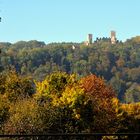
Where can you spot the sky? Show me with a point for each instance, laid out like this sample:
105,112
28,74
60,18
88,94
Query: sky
68,20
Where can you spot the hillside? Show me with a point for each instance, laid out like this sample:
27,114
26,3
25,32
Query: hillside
119,64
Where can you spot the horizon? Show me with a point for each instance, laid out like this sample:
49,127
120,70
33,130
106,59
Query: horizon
60,21
84,41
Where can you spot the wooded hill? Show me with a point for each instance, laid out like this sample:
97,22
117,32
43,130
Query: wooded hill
119,64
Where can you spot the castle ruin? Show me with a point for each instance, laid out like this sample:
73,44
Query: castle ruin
113,37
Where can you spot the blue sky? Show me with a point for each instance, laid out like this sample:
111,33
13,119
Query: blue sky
68,20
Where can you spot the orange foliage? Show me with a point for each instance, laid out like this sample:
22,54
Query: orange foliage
101,96
96,88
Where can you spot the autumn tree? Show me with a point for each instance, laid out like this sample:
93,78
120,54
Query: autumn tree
13,86
63,91
53,85
130,119
89,101
101,97
28,117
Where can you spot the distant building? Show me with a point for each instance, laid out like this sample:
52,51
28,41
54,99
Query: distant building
73,47
113,37
89,39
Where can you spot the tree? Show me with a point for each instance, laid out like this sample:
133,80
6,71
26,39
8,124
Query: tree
14,86
28,117
131,119
89,101
101,97
63,91
132,94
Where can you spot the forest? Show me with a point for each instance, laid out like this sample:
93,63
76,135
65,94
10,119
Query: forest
70,87
64,103
118,64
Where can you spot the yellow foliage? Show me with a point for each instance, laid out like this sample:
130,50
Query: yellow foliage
73,98
136,39
41,86
115,104
53,86
28,117
70,95
132,109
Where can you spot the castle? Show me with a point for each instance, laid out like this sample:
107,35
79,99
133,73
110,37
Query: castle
113,38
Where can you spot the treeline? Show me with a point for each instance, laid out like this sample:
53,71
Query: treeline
119,64
63,103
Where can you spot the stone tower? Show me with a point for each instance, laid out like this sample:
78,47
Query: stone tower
113,37
89,39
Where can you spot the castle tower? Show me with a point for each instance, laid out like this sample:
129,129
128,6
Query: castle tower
113,37
89,39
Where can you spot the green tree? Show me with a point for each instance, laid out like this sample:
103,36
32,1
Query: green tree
132,94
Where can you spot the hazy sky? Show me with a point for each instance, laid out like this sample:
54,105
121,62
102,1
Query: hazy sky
68,20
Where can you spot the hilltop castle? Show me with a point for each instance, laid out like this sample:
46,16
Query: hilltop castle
113,38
